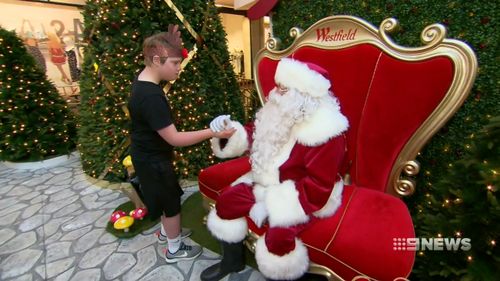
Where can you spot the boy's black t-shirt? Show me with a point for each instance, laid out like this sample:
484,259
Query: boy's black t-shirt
149,111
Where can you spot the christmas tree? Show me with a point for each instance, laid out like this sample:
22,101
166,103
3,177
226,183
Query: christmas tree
474,22
465,205
206,88
35,122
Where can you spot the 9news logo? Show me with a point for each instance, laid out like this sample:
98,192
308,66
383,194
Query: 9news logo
431,244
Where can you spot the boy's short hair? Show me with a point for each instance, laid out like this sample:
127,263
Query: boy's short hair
157,44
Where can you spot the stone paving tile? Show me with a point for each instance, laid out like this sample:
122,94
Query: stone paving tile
52,269
87,241
65,276
10,219
117,264
53,228
93,274
146,259
164,272
6,234
19,263
5,188
19,242
96,256
57,250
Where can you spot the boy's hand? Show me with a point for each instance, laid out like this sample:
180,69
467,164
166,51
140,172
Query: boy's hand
220,123
225,134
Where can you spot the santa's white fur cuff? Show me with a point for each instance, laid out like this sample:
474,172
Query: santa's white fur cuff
290,266
283,205
231,231
236,145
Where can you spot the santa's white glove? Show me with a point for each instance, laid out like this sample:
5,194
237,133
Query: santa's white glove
220,123
259,213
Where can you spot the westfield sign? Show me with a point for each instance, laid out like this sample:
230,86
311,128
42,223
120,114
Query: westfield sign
327,34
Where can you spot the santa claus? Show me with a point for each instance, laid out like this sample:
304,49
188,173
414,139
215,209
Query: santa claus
297,146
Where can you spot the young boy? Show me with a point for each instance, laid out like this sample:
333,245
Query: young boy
154,135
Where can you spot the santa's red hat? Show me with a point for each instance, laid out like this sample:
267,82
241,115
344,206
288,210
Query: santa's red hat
306,77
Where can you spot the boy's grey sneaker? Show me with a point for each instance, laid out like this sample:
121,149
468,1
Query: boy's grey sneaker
162,239
185,252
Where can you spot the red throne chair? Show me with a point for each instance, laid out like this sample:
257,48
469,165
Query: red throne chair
395,99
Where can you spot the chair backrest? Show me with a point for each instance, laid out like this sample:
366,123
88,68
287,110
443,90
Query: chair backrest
395,97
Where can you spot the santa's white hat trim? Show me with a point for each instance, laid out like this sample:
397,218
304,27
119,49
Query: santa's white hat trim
333,203
236,145
283,205
295,74
231,231
290,266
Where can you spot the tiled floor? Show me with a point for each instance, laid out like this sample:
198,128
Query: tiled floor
52,227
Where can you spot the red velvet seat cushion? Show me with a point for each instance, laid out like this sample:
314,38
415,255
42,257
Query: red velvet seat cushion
357,240
214,178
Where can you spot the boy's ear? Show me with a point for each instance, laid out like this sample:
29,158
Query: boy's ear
160,60
155,59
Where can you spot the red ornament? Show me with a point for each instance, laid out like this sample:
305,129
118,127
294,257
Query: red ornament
116,215
478,96
139,213
485,20
185,53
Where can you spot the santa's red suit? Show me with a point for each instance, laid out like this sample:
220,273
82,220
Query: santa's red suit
295,158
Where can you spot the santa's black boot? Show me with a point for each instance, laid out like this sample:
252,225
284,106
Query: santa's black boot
232,261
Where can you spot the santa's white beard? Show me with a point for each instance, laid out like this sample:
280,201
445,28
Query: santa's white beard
274,123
